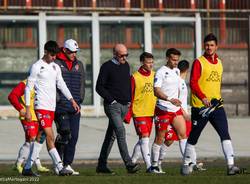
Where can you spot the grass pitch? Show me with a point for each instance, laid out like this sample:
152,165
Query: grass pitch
215,174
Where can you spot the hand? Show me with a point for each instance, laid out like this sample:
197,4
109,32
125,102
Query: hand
75,106
206,102
186,115
22,112
28,116
175,102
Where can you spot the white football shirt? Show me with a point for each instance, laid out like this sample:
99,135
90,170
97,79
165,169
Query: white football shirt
45,78
168,80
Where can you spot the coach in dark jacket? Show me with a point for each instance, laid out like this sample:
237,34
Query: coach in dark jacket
67,121
113,84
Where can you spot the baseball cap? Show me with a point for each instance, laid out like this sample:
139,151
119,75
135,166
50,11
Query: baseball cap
71,45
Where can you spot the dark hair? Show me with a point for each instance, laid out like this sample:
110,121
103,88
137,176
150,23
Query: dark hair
210,37
145,55
51,47
173,51
183,65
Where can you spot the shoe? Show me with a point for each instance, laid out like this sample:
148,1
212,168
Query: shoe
160,169
65,172
75,173
104,170
232,170
56,171
29,172
199,167
18,167
153,169
42,169
133,168
185,170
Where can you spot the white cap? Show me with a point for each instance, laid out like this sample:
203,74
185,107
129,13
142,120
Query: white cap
71,45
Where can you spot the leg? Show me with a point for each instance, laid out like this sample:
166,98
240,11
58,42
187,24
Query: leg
198,124
218,120
116,113
63,129
24,150
143,126
179,124
46,119
69,151
40,138
106,146
136,151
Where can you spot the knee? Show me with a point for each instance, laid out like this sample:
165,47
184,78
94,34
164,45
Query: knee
182,136
192,141
159,138
63,137
120,131
50,139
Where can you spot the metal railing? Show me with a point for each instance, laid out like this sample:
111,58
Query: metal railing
128,5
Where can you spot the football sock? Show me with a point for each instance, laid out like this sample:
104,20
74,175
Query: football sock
37,161
56,158
23,153
189,153
163,152
145,151
34,147
228,151
182,145
136,152
155,152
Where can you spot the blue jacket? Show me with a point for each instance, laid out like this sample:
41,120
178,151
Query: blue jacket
75,81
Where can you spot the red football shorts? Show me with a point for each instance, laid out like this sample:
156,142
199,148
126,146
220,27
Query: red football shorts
45,117
30,128
171,134
164,118
143,125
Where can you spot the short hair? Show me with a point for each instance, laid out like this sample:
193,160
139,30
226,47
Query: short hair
210,37
183,65
51,47
145,55
173,51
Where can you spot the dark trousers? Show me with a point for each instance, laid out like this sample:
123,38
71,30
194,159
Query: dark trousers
217,119
68,128
115,112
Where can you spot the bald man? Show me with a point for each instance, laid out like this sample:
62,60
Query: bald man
113,85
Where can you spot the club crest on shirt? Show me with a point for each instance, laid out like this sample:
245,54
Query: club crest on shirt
54,67
41,69
77,67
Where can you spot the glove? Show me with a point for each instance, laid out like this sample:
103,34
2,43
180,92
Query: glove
205,111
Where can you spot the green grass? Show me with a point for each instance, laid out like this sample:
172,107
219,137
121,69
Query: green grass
215,174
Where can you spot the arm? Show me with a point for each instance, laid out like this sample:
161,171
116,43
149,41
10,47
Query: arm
100,85
29,86
194,78
130,112
158,92
82,92
61,85
15,95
